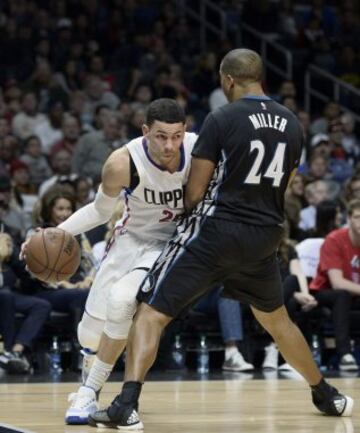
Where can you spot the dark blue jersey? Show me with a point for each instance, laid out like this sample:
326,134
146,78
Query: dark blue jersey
256,144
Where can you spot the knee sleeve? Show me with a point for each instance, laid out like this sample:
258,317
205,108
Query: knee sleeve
121,308
89,332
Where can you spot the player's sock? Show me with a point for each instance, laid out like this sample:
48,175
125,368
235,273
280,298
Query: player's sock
88,360
99,373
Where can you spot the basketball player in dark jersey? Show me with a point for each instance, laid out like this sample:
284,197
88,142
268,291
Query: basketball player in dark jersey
243,160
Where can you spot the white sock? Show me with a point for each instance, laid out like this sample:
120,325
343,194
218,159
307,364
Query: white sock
230,352
88,361
99,373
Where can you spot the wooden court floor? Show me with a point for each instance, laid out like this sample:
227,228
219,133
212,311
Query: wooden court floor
224,406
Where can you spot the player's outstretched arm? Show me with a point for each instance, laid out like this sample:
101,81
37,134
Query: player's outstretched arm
115,176
201,173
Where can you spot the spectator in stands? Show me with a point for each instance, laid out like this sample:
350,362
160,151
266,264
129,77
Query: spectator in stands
318,168
70,135
83,191
315,192
25,122
50,131
13,280
321,125
4,127
97,94
352,188
69,77
350,143
10,211
294,284
70,296
93,148
304,119
338,275
9,147
229,315
61,166
33,157
294,202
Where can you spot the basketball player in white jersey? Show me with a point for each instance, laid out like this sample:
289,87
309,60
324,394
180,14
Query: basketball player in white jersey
152,170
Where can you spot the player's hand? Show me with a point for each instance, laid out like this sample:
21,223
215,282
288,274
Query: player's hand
22,255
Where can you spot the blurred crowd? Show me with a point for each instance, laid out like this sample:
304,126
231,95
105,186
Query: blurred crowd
76,78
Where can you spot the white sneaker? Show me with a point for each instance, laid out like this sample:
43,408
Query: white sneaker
348,363
237,363
83,403
271,358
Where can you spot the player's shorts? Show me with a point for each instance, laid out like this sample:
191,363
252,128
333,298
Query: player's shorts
124,255
241,256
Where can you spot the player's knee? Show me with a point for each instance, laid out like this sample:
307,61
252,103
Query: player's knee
121,307
89,332
118,330
120,313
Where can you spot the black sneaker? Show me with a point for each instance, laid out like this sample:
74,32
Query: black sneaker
118,416
330,402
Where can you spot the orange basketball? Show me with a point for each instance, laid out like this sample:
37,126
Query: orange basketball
53,255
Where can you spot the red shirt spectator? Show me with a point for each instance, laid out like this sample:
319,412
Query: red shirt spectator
337,252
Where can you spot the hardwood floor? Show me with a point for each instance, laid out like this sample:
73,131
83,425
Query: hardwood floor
224,406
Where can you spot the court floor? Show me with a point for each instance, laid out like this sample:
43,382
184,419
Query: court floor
220,406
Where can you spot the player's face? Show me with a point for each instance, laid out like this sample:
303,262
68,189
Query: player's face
164,140
354,222
61,211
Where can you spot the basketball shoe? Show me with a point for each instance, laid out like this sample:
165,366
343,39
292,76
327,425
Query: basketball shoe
329,401
117,415
236,362
83,403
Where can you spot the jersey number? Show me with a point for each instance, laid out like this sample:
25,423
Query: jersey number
275,171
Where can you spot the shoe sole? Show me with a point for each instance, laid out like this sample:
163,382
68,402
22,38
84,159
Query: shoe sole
349,368
238,369
135,427
75,420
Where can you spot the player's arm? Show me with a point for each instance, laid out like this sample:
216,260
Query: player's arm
206,154
201,173
338,282
115,176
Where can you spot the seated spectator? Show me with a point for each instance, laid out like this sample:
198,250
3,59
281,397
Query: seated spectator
294,285
25,122
93,148
71,133
229,313
294,202
350,142
328,218
33,157
13,281
315,192
49,131
337,282
352,188
84,192
70,296
61,165
9,147
10,211
331,112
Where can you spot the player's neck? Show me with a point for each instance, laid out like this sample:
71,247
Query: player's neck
251,89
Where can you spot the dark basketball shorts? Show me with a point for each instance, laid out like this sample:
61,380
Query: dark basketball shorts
239,256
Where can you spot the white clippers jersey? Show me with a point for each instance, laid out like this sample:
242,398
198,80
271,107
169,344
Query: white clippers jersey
153,206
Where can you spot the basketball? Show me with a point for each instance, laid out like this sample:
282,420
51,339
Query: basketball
52,255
